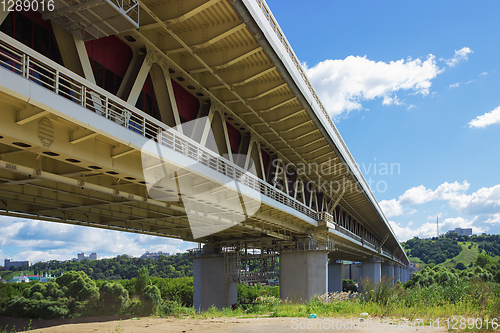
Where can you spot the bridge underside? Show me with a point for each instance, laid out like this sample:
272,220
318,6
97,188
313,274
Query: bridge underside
236,137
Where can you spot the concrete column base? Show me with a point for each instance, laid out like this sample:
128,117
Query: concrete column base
372,270
335,276
388,271
303,274
210,286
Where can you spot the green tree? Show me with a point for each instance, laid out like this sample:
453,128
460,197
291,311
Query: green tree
142,280
113,297
483,259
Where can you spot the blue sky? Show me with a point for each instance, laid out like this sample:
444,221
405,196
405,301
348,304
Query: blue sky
406,82
409,83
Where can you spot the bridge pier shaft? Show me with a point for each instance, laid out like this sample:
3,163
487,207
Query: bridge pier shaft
303,274
335,276
397,273
372,269
388,271
210,286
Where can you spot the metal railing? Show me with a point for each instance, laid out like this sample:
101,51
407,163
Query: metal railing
35,67
26,62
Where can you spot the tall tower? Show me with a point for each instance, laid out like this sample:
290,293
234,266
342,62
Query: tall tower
437,225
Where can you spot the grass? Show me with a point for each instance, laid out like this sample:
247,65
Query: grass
477,299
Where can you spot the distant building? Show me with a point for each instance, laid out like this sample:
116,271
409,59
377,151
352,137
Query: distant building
154,255
412,269
462,231
8,264
19,279
81,256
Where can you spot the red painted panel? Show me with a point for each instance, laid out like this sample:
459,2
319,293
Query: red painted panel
111,52
234,137
265,159
187,104
37,18
148,87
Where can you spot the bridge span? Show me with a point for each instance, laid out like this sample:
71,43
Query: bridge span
191,120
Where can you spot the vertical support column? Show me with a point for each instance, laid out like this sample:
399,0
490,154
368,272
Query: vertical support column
335,276
388,271
397,273
303,274
210,286
372,269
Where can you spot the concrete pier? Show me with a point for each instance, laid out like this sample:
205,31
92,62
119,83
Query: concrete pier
372,269
210,286
303,274
388,271
397,273
335,276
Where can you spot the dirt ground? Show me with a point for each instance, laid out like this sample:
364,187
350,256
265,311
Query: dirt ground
216,325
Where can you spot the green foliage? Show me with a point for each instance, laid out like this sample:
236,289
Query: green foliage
78,285
483,259
113,297
142,280
13,289
178,290
349,285
247,294
435,250
122,267
150,300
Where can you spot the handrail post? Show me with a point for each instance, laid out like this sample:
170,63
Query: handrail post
57,82
28,67
84,96
23,65
106,107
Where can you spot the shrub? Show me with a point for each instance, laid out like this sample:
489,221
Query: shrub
113,297
349,285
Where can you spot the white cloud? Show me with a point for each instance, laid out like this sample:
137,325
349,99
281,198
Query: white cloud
429,229
454,85
343,85
486,119
391,207
460,222
459,56
404,233
485,201
494,219
39,241
483,74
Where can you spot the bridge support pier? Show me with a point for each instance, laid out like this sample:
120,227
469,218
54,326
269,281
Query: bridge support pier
303,274
210,286
335,276
372,269
388,271
405,274
397,273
